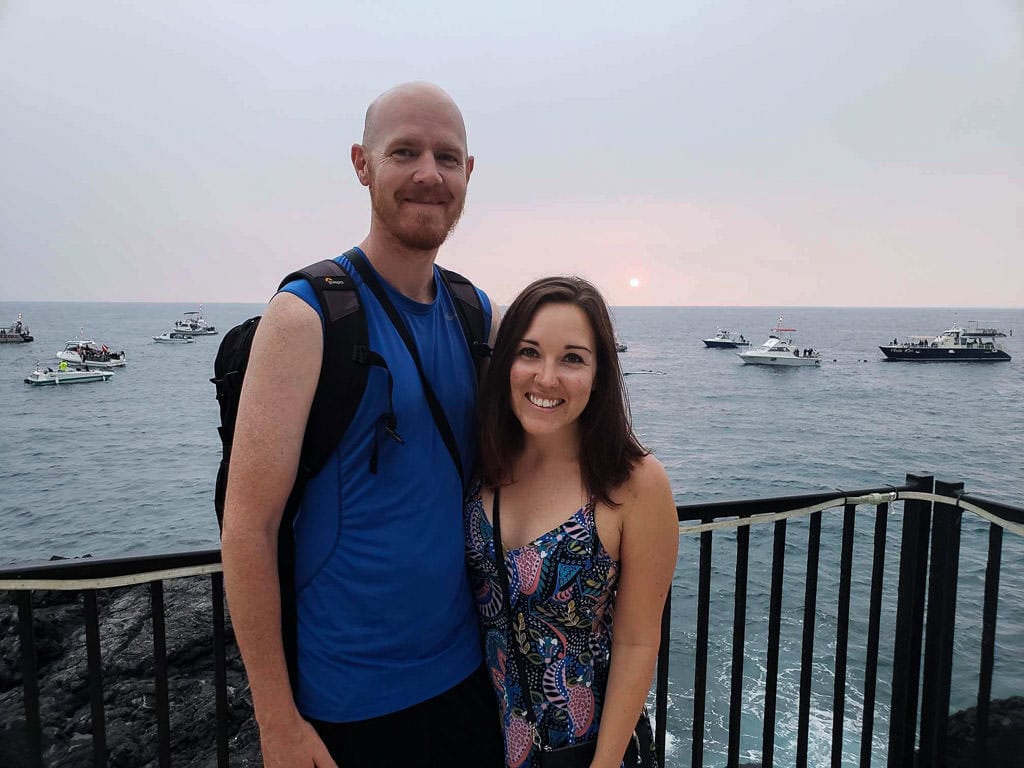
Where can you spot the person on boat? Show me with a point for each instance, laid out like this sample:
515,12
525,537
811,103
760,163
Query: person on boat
588,532
63,366
390,668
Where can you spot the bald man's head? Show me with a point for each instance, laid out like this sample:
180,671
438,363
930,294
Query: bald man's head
411,101
415,162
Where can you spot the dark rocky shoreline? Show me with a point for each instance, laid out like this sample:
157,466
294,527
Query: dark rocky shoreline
126,642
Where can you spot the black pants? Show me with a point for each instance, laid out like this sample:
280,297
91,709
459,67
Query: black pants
459,728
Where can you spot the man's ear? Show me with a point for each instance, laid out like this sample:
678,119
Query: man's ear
469,166
361,163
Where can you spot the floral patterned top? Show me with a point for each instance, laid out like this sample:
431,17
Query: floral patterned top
563,586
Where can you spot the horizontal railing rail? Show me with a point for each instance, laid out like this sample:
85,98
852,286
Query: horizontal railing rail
922,634
72,574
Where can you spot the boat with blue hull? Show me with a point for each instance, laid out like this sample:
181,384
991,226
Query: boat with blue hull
954,345
725,339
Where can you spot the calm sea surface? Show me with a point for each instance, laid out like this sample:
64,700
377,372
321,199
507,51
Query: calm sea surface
128,466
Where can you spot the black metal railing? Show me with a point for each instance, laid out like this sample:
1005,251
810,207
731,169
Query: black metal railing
921,635
89,577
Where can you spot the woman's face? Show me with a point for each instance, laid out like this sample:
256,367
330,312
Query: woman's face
554,370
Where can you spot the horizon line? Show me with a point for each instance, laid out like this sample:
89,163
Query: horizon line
614,306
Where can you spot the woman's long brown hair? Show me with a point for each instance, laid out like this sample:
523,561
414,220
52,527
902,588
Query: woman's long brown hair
608,447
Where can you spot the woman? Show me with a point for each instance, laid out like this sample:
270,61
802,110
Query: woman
556,437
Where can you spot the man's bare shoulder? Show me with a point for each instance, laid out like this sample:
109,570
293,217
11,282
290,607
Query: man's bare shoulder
288,313
289,338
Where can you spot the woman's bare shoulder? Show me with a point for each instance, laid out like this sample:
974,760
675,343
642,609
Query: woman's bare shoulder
647,486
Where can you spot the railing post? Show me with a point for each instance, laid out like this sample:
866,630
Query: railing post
30,681
739,626
842,635
874,626
220,668
906,662
661,691
988,641
95,667
700,672
938,641
771,684
807,645
163,711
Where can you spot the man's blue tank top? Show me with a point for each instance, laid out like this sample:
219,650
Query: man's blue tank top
385,615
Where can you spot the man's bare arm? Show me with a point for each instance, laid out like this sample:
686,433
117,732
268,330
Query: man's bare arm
284,365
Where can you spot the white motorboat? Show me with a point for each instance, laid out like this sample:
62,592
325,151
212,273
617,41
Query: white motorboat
173,337
726,340
88,352
49,376
779,350
194,324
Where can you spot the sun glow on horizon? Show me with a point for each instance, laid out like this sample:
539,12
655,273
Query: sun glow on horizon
634,282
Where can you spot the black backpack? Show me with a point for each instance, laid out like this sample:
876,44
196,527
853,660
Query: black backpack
343,375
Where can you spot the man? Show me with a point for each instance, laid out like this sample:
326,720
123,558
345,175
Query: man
389,664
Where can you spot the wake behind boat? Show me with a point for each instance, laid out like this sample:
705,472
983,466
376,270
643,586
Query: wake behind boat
16,333
87,352
726,340
49,376
955,344
778,350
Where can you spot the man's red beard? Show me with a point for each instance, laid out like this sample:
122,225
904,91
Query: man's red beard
425,235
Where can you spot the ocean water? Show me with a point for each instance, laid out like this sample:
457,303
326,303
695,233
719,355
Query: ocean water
127,467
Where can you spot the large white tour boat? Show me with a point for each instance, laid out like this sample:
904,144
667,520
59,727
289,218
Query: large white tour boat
955,344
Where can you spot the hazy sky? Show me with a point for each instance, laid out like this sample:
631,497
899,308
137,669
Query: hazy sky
853,153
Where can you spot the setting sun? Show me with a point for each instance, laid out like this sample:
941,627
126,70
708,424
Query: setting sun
634,282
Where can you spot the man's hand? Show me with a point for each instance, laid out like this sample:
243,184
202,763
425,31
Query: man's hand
294,746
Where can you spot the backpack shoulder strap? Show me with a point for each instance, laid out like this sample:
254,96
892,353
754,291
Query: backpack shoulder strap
343,370
470,310
334,289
